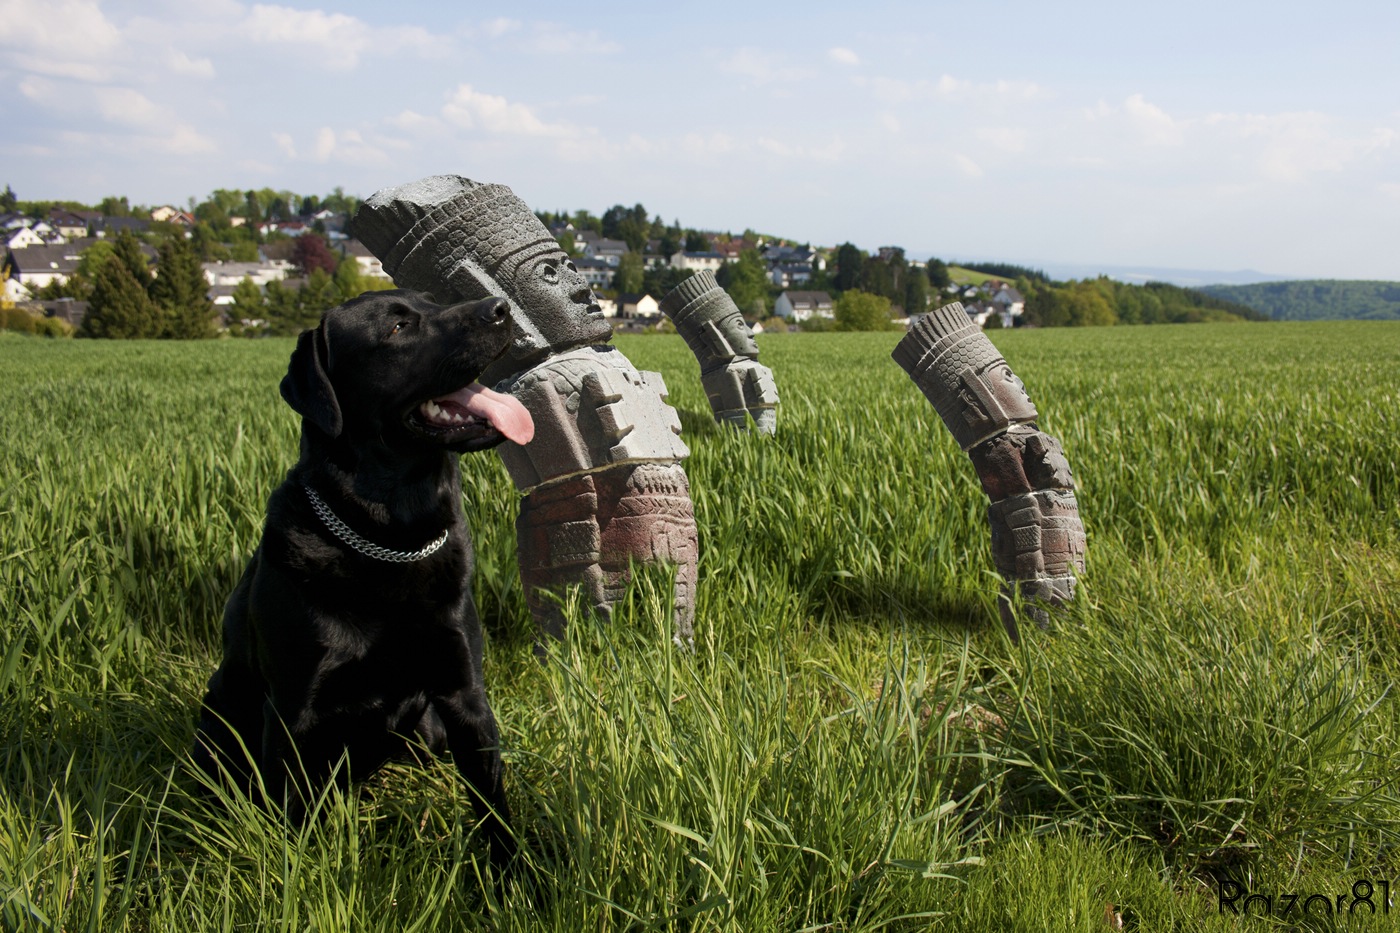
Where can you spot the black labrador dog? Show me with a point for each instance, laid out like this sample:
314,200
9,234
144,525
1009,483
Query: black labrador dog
353,627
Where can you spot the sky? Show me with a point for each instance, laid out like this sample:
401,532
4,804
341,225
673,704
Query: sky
1218,136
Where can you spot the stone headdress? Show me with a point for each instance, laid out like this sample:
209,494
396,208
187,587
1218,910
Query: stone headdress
457,239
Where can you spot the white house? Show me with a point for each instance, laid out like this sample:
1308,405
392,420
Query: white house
643,307
1009,301
697,261
802,306
24,237
231,273
38,266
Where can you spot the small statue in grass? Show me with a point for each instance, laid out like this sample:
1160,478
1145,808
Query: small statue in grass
1038,540
738,386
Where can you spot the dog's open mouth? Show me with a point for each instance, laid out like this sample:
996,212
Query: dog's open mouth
475,416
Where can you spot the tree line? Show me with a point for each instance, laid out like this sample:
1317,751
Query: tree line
1317,299
125,299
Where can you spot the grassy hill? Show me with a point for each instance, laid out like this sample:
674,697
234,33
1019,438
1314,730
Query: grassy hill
1316,299
852,745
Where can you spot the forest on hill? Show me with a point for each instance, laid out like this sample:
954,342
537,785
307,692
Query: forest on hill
1316,299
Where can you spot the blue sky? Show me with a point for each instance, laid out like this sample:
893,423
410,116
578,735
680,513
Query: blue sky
1208,136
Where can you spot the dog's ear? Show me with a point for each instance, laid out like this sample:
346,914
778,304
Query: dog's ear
307,385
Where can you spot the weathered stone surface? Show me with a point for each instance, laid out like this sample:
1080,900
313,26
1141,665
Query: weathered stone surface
588,530
962,374
592,410
602,478
737,385
459,239
1038,540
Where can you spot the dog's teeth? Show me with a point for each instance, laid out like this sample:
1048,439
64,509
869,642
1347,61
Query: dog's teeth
431,410
456,417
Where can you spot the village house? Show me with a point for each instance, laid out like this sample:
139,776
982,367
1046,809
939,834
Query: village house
597,272
802,306
231,273
71,225
638,307
610,251
368,263
37,267
699,262
24,237
173,215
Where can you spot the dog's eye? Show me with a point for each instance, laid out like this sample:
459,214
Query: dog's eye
400,327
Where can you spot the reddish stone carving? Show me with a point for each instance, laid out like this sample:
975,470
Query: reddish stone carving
1038,540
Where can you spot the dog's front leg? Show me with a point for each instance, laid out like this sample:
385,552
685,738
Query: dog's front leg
475,745
297,761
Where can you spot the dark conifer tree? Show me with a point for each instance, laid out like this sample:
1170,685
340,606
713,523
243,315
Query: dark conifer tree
181,292
119,307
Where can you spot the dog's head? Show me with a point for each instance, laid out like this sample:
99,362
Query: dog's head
396,368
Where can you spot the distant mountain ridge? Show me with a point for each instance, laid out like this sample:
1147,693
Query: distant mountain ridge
1316,299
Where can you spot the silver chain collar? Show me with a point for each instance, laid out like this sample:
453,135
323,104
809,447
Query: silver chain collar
365,546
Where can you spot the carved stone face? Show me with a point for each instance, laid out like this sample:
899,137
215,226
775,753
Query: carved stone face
558,300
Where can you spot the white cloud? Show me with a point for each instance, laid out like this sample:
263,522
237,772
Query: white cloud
472,110
1154,126
325,144
968,167
554,39
62,38
1004,138
142,124
952,90
890,122
500,26
762,66
410,121
1290,146
337,39
181,63
1391,189
824,152
285,144
126,106
843,56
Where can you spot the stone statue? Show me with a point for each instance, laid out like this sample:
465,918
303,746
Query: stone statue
1037,538
738,386
602,479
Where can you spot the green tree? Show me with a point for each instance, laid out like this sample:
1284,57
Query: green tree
128,252
916,291
938,276
747,282
857,310
119,307
181,292
8,201
696,242
349,282
248,298
849,261
113,206
631,273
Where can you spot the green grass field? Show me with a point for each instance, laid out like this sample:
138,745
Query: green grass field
853,745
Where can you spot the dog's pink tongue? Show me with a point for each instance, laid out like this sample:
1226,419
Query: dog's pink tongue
505,413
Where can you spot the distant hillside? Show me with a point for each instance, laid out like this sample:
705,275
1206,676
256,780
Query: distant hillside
1316,300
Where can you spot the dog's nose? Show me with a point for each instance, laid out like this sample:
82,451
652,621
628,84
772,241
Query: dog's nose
493,310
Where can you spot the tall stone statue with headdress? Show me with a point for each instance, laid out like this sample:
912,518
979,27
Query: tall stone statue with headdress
602,479
1038,540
